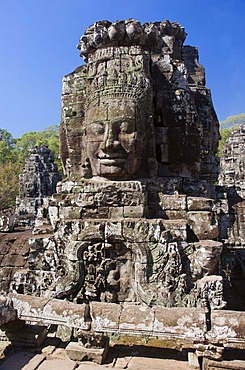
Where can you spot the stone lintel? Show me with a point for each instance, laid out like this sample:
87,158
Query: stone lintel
105,316
227,324
136,319
180,322
188,324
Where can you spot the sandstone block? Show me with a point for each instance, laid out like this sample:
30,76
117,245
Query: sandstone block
133,211
113,230
227,326
70,213
177,228
34,362
58,364
135,230
91,229
136,319
175,215
132,198
77,352
53,215
175,202
115,212
203,224
67,313
105,316
188,323
7,312
199,204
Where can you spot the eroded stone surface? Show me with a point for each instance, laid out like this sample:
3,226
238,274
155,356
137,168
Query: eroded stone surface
231,208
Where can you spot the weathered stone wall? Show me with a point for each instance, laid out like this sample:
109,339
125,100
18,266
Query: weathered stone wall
232,164
231,195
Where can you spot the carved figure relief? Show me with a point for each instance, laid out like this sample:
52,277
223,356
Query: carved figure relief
106,269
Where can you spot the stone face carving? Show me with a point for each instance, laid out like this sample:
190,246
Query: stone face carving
232,167
141,242
37,181
134,221
144,92
116,138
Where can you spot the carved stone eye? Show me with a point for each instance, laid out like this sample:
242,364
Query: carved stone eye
97,128
127,127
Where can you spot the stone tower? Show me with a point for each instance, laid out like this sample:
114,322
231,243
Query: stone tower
145,72
134,221
37,181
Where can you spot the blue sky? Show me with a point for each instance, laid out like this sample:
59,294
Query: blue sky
38,47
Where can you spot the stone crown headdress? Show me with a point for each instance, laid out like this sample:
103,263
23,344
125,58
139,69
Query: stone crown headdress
131,86
126,33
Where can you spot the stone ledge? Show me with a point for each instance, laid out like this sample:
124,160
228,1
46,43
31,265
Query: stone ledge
188,324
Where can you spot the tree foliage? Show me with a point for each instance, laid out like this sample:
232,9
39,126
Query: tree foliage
9,184
227,127
13,153
49,137
233,121
7,147
225,133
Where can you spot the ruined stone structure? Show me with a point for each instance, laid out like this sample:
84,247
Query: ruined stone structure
37,181
135,246
134,221
232,166
145,74
231,200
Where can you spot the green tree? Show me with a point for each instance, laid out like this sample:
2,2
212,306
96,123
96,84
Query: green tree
227,127
233,121
49,137
225,133
9,184
7,147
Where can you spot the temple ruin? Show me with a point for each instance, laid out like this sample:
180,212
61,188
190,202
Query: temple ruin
141,239
37,181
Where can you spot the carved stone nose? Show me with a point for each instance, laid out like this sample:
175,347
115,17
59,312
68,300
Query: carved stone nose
111,139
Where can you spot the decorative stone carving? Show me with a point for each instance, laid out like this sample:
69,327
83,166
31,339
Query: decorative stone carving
38,180
7,221
231,208
141,92
232,167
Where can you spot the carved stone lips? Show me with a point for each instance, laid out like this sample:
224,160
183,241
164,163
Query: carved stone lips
112,161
